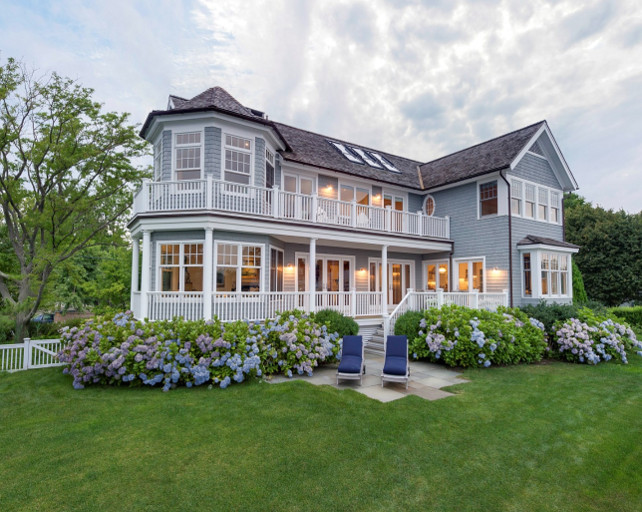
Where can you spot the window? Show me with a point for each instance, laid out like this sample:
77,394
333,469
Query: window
437,276
526,266
536,202
470,276
516,197
488,198
269,168
238,157
276,270
158,160
238,267
555,207
188,156
542,203
181,267
429,206
548,268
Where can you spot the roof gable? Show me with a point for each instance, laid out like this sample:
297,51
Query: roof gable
484,158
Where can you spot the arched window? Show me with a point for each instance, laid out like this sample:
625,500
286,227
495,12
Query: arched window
429,206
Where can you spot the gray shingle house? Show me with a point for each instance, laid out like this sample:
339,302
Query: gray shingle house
246,216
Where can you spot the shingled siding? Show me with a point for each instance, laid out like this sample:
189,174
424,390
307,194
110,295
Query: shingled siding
166,171
259,163
521,228
415,202
212,149
537,170
475,237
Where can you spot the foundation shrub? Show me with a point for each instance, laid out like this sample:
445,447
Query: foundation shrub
408,324
458,336
631,315
121,350
590,338
337,322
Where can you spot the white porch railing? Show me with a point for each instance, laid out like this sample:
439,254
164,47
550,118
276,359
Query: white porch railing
419,301
30,354
216,195
167,305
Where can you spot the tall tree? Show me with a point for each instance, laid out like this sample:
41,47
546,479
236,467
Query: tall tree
610,257
66,178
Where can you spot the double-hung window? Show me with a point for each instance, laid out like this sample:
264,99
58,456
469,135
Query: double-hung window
516,197
529,200
181,267
238,267
536,202
542,203
238,159
545,274
488,198
556,204
188,161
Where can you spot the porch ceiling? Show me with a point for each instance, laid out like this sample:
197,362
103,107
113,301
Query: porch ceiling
345,244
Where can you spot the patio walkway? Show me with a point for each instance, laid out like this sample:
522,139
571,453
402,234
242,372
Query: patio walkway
426,380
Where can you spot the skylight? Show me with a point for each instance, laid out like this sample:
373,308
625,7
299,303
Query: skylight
367,158
361,156
346,152
386,163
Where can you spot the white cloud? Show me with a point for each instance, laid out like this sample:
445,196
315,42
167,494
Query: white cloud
416,78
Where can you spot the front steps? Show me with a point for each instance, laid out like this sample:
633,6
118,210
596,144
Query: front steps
376,344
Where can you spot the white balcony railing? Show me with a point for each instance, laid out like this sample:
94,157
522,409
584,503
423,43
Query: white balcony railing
214,195
258,306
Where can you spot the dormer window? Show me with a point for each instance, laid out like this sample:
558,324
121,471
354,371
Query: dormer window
238,157
188,156
488,198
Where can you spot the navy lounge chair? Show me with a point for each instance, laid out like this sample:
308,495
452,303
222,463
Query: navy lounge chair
395,368
352,365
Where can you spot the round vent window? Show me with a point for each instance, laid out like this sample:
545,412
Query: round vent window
429,206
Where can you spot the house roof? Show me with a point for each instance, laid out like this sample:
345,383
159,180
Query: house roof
490,156
540,240
310,148
314,149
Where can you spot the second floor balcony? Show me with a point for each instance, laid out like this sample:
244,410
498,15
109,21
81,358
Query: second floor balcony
220,196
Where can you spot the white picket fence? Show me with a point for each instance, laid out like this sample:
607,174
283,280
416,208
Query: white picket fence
30,354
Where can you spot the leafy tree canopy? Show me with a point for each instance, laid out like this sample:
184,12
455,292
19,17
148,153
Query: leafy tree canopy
66,179
610,257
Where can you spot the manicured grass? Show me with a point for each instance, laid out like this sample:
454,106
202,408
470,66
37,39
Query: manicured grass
544,437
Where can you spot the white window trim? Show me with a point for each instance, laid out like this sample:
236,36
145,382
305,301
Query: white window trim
499,208
436,263
536,270
240,265
306,256
175,134
251,151
282,251
537,203
470,260
181,264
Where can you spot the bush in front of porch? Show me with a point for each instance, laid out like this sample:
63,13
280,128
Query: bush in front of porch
337,322
459,336
176,352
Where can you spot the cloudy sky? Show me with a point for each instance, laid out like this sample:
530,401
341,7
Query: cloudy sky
417,78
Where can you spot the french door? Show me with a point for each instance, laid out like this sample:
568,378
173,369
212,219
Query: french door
297,204
400,278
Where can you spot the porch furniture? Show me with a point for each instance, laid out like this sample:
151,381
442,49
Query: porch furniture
352,365
395,368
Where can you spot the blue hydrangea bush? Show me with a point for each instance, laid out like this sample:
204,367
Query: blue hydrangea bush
591,339
185,353
459,336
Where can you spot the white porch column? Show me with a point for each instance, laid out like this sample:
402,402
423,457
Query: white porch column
134,281
208,262
146,274
312,274
384,280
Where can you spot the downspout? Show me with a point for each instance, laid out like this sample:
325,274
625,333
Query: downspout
510,240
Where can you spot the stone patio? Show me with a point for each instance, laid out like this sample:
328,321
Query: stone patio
426,380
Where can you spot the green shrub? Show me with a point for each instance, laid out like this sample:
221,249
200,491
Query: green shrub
7,326
408,324
336,322
549,314
465,337
632,315
38,330
579,292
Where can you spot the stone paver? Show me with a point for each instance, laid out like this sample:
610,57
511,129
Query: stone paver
426,379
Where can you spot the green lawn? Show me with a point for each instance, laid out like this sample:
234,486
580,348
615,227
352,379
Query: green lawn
543,437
